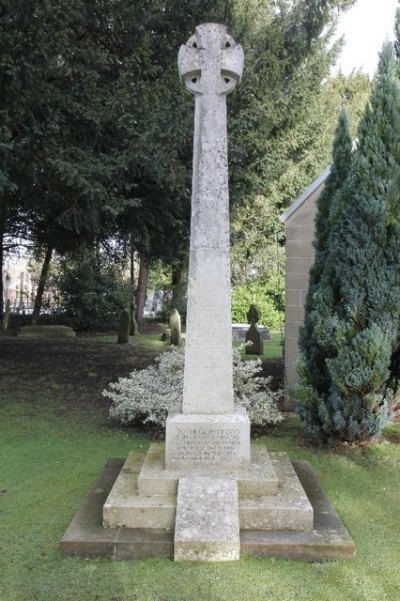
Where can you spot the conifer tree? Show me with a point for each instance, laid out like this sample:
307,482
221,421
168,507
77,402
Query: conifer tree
358,296
314,378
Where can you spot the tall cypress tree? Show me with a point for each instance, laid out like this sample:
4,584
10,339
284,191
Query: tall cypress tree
314,377
358,296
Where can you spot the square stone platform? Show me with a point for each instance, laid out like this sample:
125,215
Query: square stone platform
86,536
145,493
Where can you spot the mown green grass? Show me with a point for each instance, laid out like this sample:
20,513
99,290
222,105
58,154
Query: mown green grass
52,452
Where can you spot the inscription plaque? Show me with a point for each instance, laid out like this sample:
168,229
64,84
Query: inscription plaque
211,447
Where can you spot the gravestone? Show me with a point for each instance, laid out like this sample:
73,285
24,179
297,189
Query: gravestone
6,317
175,327
254,342
124,327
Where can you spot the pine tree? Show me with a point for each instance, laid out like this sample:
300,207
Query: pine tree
358,295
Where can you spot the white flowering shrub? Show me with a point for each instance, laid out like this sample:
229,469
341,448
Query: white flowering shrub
253,392
147,395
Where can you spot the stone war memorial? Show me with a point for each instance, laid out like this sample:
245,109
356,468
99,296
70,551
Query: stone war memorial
208,494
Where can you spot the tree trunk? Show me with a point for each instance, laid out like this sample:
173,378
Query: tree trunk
178,285
143,277
42,284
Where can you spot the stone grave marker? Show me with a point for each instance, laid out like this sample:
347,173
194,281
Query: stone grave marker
254,341
175,327
124,325
6,317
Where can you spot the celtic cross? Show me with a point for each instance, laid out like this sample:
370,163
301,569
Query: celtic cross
210,65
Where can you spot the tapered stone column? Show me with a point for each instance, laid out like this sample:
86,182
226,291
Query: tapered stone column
210,66
208,431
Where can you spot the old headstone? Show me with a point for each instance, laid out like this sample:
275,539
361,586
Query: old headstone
21,306
6,317
254,342
123,327
175,327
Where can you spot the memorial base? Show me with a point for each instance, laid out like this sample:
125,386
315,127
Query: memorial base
86,536
149,496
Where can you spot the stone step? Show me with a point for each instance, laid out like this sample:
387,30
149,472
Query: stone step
289,509
259,479
140,512
207,520
124,507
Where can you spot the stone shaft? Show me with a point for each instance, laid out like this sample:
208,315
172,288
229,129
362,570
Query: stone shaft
210,64
208,362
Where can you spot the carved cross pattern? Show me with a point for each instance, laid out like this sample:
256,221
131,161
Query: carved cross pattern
210,63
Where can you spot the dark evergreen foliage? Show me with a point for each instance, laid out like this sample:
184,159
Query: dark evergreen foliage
353,311
93,294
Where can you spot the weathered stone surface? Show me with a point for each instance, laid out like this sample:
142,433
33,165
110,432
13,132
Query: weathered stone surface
86,536
124,327
210,65
175,327
289,509
43,332
259,479
207,520
207,440
329,539
6,317
124,507
254,342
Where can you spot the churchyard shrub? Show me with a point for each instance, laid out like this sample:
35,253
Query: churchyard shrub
147,395
92,290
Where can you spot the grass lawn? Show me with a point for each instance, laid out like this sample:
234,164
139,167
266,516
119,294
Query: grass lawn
54,439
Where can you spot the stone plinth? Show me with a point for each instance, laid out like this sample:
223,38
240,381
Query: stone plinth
259,479
86,536
270,494
194,441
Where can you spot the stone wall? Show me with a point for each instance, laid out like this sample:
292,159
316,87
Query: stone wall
299,259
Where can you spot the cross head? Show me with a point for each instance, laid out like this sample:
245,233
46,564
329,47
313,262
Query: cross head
210,63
